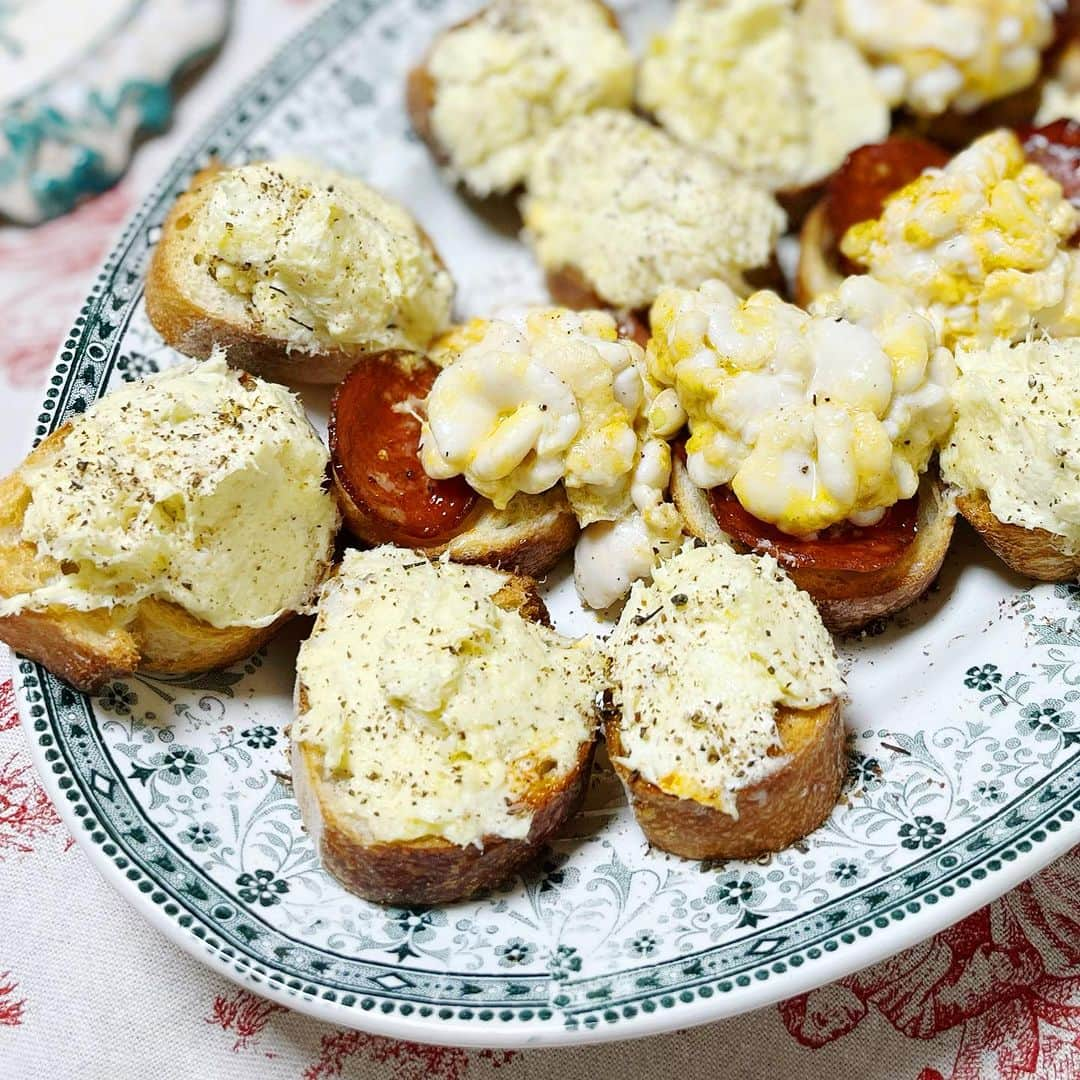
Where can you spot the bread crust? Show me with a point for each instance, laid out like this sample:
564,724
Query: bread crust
432,870
528,537
847,600
772,814
89,648
817,272
1035,553
193,330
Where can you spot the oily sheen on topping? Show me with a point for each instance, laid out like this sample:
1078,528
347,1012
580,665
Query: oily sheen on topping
433,708
375,448
840,547
201,486
767,88
700,661
932,56
858,189
813,418
979,246
557,397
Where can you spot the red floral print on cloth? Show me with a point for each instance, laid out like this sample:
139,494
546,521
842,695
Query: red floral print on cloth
244,1014
1009,974
407,1060
25,811
9,715
11,1008
44,273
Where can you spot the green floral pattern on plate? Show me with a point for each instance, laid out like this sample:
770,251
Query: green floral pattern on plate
963,760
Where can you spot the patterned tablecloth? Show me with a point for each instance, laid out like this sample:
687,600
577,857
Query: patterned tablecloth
88,990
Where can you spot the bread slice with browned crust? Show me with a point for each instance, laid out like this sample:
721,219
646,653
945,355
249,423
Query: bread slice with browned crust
433,870
88,648
421,89
180,309
817,272
847,600
772,814
1035,553
528,536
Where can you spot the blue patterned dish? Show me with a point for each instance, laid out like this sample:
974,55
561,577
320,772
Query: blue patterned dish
964,725
75,91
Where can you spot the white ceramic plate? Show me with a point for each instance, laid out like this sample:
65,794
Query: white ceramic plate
962,717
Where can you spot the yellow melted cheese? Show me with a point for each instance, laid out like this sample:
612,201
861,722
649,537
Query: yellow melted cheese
434,709
632,210
1017,433
556,396
321,260
769,90
514,73
814,417
199,486
937,54
700,661
979,246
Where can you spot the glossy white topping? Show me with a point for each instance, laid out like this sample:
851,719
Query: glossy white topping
814,417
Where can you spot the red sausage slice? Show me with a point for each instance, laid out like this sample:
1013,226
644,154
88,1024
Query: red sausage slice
858,189
374,447
841,547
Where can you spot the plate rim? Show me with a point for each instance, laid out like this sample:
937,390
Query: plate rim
76,807
848,956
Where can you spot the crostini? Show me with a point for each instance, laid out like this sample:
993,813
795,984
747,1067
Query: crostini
764,86
726,728
859,190
616,209
981,246
491,88
856,192
959,68
810,437
455,743
1014,454
170,529
510,436
299,271
386,497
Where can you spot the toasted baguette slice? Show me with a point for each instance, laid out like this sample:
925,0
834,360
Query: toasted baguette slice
725,725
1035,553
772,814
817,272
88,648
528,537
432,870
847,600
192,316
